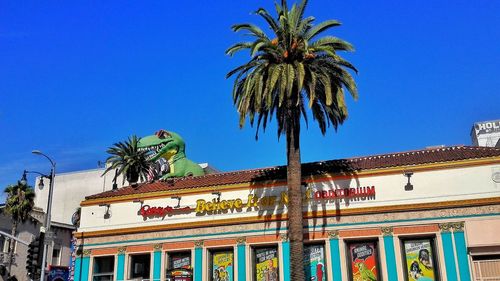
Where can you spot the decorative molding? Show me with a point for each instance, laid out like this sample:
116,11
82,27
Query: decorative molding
308,215
387,230
157,247
445,227
333,234
241,240
284,237
87,252
122,250
458,226
198,244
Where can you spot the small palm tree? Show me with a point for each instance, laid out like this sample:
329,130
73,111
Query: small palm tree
288,73
128,160
19,204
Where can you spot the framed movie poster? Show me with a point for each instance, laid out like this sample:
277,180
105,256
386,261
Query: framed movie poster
419,260
363,261
222,266
266,264
179,267
314,262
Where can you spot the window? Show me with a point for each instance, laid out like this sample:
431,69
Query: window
104,268
55,256
140,266
419,259
486,267
363,263
314,262
266,264
222,265
2,243
179,266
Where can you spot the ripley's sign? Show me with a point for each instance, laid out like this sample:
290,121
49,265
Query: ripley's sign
147,211
254,202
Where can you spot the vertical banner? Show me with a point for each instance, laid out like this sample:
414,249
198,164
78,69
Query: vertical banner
222,266
419,260
364,261
314,263
72,259
266,264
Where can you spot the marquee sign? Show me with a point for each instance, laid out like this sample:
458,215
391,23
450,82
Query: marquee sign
147,211
254,202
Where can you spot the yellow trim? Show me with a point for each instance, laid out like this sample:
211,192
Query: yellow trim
308,215
271,183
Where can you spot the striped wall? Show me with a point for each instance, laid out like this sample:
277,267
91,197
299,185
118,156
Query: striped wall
450,238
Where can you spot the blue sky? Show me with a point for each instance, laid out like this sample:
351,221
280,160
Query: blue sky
77,77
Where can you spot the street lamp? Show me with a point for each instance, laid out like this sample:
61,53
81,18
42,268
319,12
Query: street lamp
41,185
48,234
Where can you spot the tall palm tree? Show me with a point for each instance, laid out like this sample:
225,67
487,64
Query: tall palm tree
288,71
19,204
126,158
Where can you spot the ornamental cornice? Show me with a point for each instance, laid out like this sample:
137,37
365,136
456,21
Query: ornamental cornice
458,226
241,240
284,237
87,252
387,230
198,244
333,234
122,250
445,227
157,247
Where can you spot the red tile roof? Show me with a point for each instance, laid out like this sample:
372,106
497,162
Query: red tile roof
350,165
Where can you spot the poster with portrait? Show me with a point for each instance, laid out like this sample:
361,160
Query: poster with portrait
419,260
314,263
363,261
266,264
222,266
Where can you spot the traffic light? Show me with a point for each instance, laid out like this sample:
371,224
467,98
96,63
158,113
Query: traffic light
34,258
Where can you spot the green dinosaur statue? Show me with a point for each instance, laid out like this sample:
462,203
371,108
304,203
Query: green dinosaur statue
171,147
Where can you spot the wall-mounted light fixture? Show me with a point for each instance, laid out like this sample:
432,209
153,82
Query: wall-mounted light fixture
178,198
217,193
107,214
408,186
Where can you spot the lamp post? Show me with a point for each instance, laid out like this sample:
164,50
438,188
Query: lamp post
48,234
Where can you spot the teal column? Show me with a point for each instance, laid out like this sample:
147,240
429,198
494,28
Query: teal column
78,269
461,250
198,261
82,269
242,265
157,262
285,249
336,269
449,252
120,265
390,254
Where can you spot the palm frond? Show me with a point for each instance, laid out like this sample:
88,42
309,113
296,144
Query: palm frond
317,29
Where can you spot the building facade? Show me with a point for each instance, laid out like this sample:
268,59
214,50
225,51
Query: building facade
28,231
432,214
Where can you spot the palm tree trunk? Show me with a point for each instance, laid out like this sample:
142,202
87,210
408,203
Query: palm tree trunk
295,225
11,246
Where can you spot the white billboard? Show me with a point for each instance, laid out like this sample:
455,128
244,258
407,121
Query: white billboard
486,133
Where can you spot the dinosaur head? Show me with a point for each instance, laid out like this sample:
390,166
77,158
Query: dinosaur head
163,144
